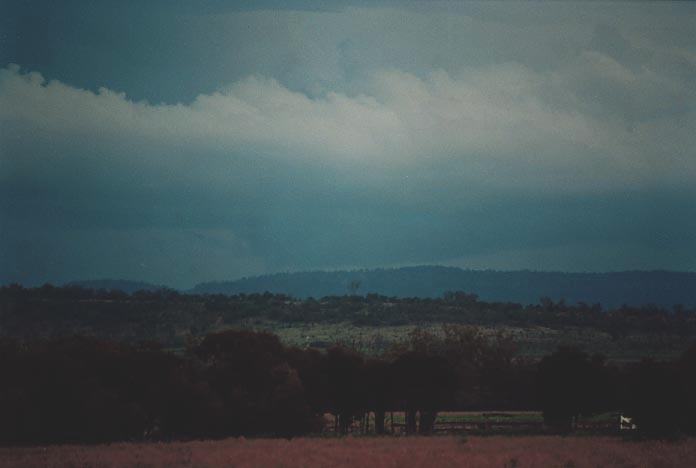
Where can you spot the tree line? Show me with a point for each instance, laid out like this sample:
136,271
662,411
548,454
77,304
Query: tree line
240,382
162,315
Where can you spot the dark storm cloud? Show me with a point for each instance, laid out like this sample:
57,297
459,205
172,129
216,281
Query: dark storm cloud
184,144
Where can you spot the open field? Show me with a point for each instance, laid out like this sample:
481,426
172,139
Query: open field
543,451
533,342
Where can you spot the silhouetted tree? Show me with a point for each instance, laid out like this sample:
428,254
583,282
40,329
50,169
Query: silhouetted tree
347,391
570,384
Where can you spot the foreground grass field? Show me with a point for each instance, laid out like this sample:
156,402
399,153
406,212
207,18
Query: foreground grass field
546,451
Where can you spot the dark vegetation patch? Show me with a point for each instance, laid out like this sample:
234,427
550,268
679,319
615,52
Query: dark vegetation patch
240,382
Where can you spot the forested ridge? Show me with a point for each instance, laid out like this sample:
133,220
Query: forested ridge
614,289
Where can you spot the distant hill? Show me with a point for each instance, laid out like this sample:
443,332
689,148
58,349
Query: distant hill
664,288
126,286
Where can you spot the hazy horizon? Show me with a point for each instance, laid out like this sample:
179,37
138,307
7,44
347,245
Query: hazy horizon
358,270
178,144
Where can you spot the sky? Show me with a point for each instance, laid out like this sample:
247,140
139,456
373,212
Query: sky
182,142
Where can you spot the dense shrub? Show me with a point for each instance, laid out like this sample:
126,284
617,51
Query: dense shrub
661,397
570,385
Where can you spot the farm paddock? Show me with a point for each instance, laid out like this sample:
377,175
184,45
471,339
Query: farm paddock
445,451
481,423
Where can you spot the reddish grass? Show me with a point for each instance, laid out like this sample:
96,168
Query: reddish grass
495,451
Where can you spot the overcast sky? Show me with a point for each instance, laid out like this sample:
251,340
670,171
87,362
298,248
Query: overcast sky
180,144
